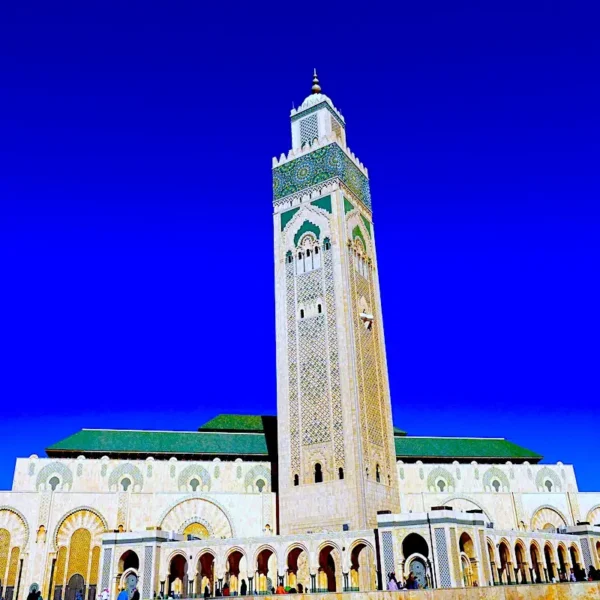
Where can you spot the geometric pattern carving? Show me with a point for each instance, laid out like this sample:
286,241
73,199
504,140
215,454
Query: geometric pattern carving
442,556
147,572
258,472
126,469
587,556
334,363
292,370
198,510
122,509
55,468
106,562
309,129
494,473
388,551
44,508
547,518
318,166
543,475
313,380
435,474
197,471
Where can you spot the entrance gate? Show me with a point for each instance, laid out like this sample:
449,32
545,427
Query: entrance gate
76,584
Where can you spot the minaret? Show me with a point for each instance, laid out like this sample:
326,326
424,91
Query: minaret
335,433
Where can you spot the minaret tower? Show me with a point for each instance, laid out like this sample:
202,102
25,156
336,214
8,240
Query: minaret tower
336,449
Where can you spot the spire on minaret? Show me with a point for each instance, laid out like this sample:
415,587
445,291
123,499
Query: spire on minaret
316,88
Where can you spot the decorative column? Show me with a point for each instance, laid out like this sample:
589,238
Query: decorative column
313,583
250,585
345,576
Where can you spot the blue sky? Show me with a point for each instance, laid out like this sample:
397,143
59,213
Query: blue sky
135,211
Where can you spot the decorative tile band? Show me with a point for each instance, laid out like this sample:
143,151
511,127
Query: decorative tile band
316,167
317,107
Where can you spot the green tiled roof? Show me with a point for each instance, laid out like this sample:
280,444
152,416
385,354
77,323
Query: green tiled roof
450,448
113,441
236,423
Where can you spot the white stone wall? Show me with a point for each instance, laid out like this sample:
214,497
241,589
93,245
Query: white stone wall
150,475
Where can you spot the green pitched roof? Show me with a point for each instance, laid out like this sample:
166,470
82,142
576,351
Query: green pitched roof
450,448
113,441
236,423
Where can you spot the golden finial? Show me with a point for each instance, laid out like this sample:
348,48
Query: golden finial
316,88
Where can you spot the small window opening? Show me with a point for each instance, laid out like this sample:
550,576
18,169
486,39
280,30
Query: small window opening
260,484
194,484
290,258
319,310
327,244
441,485
302,313
308,253
318,473
496,485
53,483
299,255
341,473
296,480
548,485
377,474
125,483
367,472
316,249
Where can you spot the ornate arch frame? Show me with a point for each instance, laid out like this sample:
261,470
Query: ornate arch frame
72,512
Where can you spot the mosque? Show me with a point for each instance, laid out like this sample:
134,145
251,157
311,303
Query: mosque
329,494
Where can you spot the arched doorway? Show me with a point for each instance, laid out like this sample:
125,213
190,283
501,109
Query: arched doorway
178,575
574,552
362,568
468,560
549,562
129,560
298,572
505,563
266,568
521,558
236,572
563,561
536,564
328,569
76,584
416,558
205,574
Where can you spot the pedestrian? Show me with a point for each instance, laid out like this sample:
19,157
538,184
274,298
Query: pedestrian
243,588
206,592
392,585
226,590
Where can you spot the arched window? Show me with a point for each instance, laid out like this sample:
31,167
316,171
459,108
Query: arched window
341,473
378,474
307,253
260,484
316,249
441,485
125,483
318,473
54,482
496,485
299,255
548,485
296,480
194,484
319,309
